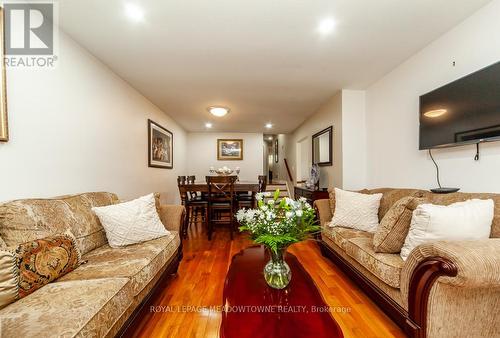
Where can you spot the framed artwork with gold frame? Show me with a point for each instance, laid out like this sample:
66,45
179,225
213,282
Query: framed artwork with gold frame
229,149
4,129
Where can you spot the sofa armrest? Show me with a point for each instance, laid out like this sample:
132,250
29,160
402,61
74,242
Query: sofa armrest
172,216
477,262
441,279
323,210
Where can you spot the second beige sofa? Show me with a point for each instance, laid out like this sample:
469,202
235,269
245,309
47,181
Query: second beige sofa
443,289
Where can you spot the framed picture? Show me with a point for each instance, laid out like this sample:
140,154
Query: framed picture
160,146
276,151
4,130
229,149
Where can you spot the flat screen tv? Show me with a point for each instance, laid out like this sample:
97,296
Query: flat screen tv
462,112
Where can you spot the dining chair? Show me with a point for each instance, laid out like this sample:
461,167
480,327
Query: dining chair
195,205
221,199
247,199
200,208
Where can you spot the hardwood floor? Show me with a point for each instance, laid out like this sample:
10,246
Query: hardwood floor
200,282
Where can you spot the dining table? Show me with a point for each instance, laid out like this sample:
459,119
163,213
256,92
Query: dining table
239,186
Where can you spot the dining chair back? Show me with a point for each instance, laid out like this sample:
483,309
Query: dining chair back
196,207
221,199
181,180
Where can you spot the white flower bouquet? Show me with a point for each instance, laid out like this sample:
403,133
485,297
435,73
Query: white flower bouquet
278,223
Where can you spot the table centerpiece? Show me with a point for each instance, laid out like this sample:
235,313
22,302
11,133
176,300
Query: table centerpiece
277,223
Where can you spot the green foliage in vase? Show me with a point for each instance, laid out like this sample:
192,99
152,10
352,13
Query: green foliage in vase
278,223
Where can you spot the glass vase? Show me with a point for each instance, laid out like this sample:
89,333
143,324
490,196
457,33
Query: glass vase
276,272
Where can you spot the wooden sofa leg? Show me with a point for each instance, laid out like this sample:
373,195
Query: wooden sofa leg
421,282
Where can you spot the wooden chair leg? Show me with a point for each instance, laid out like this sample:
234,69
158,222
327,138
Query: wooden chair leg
192,216
205,218
209,223
231,220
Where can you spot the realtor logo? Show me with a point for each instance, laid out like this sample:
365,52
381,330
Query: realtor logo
29,34
29,29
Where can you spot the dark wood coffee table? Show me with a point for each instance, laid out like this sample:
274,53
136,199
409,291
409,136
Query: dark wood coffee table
253,309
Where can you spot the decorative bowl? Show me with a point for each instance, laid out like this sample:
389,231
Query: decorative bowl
224,172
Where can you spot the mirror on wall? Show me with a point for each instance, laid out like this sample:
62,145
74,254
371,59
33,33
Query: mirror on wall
322,147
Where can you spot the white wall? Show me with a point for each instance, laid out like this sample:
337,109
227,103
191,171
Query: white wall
353,140
392,111
329,114
80,128
202,154
345,111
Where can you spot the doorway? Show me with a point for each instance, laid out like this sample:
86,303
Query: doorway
271,167
303,156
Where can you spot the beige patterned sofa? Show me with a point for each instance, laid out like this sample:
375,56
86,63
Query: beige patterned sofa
98,298
444,289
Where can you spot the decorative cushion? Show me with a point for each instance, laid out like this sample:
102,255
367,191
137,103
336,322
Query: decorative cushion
393,228
131,222
34,264
392,195
467,220
331,195
447,199
355,210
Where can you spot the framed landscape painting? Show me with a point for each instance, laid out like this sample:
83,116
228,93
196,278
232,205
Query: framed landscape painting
229,149
160,146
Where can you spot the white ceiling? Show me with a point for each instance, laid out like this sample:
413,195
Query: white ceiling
262,58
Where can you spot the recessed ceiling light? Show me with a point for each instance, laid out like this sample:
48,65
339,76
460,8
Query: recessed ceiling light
269,125
208,125
218,111
435,113
326,26
134,12
270,138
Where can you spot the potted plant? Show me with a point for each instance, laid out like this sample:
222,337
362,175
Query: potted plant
276,224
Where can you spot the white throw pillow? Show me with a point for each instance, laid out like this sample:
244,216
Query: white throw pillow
131,222
467,220
355,210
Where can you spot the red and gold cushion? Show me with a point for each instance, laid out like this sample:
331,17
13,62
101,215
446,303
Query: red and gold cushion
34,264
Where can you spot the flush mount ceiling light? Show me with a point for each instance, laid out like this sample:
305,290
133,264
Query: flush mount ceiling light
208,125
269,125
326,26
270,138
134,12
218,111
435,113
